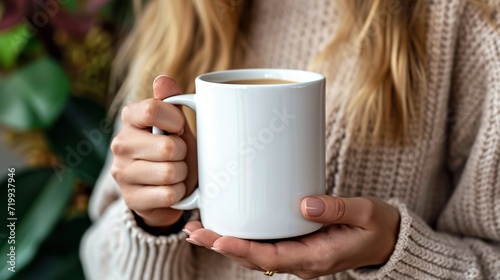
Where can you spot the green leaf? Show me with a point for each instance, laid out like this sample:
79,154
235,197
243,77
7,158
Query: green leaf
58,257
33,48
40,220
33,97
26,190
66,236
12,43
70,5
81,137
64,239
68,267
50,266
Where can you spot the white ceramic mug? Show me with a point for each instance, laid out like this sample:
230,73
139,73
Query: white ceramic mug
261,150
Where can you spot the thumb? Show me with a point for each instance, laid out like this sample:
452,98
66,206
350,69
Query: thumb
164,86
327,209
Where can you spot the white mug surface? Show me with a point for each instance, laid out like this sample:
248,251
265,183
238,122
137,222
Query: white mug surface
261,150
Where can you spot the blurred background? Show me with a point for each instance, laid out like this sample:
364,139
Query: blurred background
55,61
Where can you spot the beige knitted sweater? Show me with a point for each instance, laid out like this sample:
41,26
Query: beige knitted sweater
446,187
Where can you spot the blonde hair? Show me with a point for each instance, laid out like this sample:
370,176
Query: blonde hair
178,38
389,36
184,38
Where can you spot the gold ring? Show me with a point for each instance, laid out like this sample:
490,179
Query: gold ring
269,273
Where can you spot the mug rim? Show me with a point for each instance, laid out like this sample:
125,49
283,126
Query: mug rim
217,78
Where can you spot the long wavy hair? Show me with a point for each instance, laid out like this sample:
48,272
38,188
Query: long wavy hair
184,38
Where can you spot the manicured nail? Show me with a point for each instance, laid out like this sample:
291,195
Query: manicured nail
219,250
315,207
186,231
194,242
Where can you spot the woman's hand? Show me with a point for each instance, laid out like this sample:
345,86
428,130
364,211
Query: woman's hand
359,232
155,171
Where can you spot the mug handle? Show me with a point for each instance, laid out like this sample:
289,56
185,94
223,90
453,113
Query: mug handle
190,202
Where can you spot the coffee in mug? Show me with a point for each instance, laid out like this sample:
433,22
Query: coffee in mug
266,81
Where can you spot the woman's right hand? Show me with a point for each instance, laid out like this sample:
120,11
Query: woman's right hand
155,171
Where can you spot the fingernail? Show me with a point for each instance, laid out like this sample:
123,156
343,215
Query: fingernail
315,207
194,242
154,81
219,250
188,232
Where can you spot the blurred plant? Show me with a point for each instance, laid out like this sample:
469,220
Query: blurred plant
55,64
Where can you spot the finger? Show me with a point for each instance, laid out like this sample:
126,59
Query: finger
164,86
142,145
191,159
154,112
325,209
241,261
160,217
141,172
203,237
146,198
304,273
280,256
192,226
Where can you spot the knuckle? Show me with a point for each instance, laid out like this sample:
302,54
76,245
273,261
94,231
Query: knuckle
272,264
116,172
125,114
168,197
117,146
150,110
167,173
168,148
369,211
180,122
338,209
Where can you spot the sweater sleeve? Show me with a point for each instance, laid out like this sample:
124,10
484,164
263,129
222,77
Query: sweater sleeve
465,244
115,247
424,253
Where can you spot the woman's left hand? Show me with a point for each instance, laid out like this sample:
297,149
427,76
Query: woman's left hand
359,231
